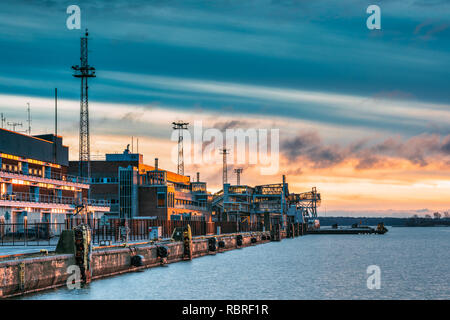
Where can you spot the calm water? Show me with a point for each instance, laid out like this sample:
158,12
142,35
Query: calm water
414,264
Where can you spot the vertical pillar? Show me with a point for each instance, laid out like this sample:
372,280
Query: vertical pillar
83,246
187,243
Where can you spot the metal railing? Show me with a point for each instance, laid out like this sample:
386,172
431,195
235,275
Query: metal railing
53,175
267,206
30,234
111,230
97,202
138,229
51,199
236,206
191,207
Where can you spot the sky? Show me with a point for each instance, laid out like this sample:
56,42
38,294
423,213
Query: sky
363,115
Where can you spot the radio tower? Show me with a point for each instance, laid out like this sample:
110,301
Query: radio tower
238,172
224,152
29,118
3,120
84,71
180,126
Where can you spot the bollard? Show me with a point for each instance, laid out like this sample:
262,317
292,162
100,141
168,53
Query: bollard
187,243
22,276
83,248
276,233
239,240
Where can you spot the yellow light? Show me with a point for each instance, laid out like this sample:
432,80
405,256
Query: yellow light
16,181
9,156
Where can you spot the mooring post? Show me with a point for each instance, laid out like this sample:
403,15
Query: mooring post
22,276
83,248
187,243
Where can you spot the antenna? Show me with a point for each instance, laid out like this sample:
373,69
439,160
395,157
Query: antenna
224,152
84,71
3,120
29,118
14,125
180,126
56,126
56,111
238,172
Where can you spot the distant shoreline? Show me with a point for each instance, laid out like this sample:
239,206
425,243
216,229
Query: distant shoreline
421,226
388,221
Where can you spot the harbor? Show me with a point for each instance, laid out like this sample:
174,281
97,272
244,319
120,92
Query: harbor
309,267
223,151
125,215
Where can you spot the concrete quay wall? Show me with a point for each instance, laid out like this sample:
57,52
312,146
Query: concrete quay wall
28,275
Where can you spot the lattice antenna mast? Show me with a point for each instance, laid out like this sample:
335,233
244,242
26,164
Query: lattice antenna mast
29,118
84,71
224,152
3,120
238,172
180,126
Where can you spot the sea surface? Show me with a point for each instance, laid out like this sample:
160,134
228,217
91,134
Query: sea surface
413,263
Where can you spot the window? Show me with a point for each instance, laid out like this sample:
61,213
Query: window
161,200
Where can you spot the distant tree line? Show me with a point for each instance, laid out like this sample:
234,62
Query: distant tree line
415,221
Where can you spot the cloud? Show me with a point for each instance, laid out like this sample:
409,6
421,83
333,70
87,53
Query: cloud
419,150
231,124
429,28
368,162
446,146
310,145
391,110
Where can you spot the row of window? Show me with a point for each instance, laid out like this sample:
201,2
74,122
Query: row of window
171,201
13,168
105,180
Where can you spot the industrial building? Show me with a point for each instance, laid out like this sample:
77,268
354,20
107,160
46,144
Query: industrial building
268,204
137,190
34,182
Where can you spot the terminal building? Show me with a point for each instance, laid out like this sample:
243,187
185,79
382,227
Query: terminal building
34,182
267,204
138,190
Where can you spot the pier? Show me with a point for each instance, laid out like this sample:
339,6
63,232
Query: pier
29,273
354,229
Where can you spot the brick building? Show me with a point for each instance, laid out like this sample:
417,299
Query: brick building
135,189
